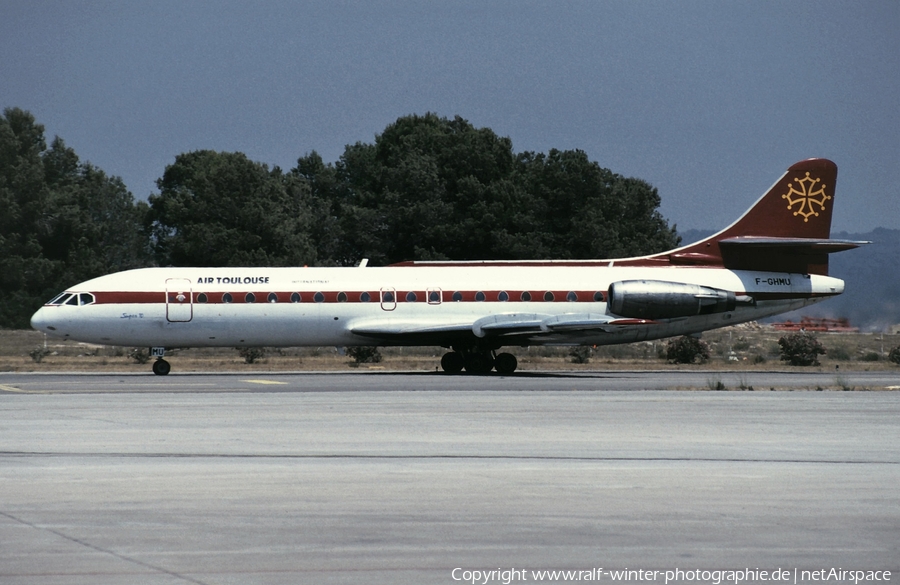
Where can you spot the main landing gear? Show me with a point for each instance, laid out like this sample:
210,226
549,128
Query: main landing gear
478,362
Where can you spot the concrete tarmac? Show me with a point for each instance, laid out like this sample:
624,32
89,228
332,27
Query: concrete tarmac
403,478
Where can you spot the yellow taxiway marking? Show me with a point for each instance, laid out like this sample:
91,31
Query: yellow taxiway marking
264,381
5,388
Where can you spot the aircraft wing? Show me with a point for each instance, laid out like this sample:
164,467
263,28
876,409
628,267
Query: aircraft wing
503,325
410,328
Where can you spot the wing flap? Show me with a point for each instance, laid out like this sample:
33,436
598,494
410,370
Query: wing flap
591,322
509,323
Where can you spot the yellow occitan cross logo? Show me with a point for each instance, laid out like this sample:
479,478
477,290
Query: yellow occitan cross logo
804,194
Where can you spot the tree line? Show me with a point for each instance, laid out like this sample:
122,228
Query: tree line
427,188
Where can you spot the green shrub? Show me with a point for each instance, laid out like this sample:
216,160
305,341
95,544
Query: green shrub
251,354
139,355
894,356
580,354
839,353
801,349
38,354
364,354
687,350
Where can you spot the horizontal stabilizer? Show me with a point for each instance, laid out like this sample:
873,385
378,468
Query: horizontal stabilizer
802,255
795,245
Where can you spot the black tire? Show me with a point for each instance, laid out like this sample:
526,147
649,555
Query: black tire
452,362
479,363
161,367
506,363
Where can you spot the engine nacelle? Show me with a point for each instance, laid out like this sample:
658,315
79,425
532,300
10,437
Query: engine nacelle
658,299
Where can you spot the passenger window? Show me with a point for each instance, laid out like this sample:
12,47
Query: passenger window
249,298
387,297
202,298
295,297
365,297
227,298
526,296
272,298
503,296
479,296
342,297
319,297
434,296
411,297
571,296
598,297
457,297
548,296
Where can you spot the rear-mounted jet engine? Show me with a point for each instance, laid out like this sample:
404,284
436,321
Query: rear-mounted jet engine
658,299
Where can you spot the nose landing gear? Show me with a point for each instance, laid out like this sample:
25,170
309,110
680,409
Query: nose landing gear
161,367
478,362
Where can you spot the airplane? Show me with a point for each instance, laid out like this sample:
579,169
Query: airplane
771,260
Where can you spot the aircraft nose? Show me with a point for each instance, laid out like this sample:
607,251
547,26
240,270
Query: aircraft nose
40,321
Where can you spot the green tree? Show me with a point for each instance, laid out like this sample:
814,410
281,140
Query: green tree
587,211
63,221
222,209
324,192
432,188
428,189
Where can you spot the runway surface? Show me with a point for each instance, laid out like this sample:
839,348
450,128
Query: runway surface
402,478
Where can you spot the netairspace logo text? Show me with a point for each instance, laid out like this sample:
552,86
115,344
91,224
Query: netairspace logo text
712,577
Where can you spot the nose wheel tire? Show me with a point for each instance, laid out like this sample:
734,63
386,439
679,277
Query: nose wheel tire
161,367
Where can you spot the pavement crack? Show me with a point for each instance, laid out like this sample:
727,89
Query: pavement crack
102,550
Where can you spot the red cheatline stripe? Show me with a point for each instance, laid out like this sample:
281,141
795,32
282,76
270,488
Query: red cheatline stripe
375,296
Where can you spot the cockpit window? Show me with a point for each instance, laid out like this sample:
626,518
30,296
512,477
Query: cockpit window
74,299
59,299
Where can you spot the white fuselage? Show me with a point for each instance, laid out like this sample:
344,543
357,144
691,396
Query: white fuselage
184,307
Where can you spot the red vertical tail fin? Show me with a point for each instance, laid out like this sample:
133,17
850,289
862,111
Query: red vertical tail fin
786,230
798,206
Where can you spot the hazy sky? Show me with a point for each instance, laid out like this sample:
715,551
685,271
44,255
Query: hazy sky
708,101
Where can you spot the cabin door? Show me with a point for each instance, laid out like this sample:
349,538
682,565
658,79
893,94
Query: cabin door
179,305
388,299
